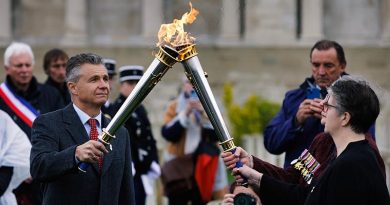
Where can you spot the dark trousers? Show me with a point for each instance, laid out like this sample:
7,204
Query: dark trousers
139,191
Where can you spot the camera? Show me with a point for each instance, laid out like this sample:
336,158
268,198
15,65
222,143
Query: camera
244,199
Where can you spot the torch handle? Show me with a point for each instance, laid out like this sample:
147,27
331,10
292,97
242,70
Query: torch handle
83,166
238,165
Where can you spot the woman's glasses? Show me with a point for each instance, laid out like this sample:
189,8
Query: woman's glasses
327,105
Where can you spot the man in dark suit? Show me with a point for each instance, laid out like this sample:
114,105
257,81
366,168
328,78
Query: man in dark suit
60,141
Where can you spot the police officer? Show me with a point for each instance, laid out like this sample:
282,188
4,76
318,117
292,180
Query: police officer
143,144
107,108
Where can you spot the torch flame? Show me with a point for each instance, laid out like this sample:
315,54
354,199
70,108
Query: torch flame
173,34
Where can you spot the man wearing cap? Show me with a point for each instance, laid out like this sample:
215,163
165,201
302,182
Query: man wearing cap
143,144
107,108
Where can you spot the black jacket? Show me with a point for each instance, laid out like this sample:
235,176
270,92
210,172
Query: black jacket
42,97
143,144
62,89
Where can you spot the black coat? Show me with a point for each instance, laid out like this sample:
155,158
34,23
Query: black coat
62,89
43,98
143,144
55,137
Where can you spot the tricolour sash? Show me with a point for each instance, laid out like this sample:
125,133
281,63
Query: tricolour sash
23,109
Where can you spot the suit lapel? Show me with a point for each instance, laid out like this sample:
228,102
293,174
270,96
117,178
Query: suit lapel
75,128
107,157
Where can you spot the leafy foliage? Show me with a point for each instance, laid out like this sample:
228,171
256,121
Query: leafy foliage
250,118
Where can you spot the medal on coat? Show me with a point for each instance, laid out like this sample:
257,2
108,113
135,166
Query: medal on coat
307,165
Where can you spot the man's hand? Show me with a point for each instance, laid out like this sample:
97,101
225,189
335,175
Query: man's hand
90,151
240,154
308,108
316,107
193,104
228,199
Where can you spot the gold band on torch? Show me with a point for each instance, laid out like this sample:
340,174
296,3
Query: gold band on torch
196,75
165,58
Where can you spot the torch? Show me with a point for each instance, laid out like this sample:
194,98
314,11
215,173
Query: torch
196,75
165,58
174,35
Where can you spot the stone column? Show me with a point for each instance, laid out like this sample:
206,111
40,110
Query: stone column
312,20
386,21
75,22
5,21
270,22
230,24
152,18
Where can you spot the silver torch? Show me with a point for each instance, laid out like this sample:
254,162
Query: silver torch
196,75
174,35
165,58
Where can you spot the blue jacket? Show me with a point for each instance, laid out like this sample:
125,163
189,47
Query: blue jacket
282,135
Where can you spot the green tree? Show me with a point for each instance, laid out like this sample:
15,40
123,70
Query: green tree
250,118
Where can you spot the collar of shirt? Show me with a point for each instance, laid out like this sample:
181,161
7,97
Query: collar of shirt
84,117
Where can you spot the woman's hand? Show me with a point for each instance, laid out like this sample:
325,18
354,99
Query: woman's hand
252,176
230,159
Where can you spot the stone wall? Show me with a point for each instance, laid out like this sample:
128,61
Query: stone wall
220,22
268,72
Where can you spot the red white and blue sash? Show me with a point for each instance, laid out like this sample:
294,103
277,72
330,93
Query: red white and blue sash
23,109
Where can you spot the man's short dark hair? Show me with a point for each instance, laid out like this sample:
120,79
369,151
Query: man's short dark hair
326,45
53,55
74,63
356,97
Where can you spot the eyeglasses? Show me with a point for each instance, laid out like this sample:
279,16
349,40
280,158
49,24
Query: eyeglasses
327,106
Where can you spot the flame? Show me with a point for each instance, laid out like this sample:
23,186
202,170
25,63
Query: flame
173,34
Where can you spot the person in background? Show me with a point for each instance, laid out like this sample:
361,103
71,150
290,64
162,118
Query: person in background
293,129
189,131
61,140
23,98
110,64
354,176
143,144
241,195
54,63
14,158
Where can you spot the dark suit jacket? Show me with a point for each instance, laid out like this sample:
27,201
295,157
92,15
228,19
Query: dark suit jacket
54,139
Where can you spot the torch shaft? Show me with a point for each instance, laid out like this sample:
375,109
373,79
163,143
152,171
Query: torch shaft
198,79
153,74
160,65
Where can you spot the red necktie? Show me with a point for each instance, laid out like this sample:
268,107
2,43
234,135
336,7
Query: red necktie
93,135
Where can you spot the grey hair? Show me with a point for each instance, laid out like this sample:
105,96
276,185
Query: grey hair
16,48
75,62
355,96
